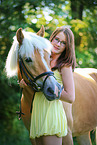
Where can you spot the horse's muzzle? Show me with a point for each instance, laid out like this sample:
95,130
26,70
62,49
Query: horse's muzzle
49,92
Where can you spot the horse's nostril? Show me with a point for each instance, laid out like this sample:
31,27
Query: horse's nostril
50,90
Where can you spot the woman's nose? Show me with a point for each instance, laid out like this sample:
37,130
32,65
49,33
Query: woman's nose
59,43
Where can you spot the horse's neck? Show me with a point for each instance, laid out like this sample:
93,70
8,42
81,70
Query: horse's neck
28,95
19,74
27,91
26,106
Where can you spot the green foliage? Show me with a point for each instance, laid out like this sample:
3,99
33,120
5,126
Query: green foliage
15,133
86,58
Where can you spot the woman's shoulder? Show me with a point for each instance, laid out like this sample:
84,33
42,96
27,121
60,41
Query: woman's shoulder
66,70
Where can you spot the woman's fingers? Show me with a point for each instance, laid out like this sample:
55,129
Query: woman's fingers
22,83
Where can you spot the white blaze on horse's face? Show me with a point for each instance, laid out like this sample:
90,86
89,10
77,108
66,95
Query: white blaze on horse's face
38,64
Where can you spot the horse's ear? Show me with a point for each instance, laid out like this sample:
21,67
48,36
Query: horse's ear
41,31
19,35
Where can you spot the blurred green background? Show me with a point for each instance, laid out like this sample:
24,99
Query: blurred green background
80,16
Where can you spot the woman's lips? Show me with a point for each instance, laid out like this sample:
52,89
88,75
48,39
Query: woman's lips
56,48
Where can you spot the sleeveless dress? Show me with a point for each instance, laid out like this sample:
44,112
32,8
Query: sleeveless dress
48,117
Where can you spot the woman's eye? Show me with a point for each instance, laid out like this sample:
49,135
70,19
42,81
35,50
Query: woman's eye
63,42
56,39
28,59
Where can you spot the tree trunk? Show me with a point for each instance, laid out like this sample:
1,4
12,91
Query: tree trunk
76,9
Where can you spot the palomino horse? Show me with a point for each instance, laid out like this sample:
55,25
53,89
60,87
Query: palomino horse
29,56
84,109
35,57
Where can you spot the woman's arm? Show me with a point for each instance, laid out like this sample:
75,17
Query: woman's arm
68,93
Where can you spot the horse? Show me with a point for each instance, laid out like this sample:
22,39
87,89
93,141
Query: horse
81,115
84,108
28,57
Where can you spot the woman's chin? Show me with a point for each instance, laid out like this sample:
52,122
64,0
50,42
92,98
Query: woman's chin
55,51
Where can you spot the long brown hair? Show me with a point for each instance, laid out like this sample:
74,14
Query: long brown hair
67,58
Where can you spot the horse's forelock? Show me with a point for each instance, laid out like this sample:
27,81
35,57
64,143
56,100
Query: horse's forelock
30,42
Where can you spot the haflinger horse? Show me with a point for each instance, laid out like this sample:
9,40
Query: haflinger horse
84,108
29,57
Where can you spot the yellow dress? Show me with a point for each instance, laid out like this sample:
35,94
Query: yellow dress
48,117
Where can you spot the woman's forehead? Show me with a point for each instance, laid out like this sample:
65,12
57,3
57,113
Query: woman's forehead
61,36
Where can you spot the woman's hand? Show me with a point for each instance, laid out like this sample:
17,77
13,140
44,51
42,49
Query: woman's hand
58,91
22,83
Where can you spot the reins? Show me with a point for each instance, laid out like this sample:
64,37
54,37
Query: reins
20,112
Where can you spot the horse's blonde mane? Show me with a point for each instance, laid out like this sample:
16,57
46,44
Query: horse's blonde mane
30,42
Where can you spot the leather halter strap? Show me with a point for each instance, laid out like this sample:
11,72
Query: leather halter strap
32,80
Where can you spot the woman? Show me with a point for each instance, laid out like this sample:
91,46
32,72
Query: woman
63,60
50,124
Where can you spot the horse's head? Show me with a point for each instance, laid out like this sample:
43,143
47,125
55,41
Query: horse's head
30,57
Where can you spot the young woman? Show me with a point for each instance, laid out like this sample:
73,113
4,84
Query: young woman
63,60
49,123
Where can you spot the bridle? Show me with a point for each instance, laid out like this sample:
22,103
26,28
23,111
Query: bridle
32,80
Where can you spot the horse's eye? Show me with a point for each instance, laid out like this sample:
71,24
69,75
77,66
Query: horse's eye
28,59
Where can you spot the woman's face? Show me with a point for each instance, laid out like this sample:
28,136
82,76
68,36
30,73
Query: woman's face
59,43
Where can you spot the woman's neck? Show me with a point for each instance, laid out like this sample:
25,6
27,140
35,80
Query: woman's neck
54,58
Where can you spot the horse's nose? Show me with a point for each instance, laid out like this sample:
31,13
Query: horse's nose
49,94
50,90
